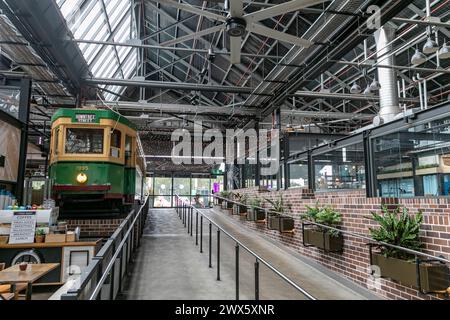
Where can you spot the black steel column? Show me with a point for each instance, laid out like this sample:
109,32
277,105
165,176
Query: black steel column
311,173
258,163
24,116
369,169
286,152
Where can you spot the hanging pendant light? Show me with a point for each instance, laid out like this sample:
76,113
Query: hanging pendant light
375,85
356,88
430,46
444,53
418,58
367,91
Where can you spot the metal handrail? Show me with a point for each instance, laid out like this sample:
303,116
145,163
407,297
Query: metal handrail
267,264
357,235
112,262
96,263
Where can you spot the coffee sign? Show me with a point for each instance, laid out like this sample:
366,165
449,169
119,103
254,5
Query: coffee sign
85,118
23,227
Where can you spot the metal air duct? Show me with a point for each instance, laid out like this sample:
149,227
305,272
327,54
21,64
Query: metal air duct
389,102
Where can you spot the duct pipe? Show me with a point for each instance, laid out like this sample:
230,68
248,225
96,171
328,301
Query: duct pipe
389,101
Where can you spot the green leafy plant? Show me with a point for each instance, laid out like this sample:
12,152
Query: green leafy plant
225,194
240,197
311,212
40,232
255,203
324,215
397,227
278,205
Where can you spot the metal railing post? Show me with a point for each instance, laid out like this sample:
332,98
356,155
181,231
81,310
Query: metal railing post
196,228
201,233
237,271
210,244
191,213
256,279
218,254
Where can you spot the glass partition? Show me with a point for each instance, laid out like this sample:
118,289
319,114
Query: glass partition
414,161
298,174
162,192
340,168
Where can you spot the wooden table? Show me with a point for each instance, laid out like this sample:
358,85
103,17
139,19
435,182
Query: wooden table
34,272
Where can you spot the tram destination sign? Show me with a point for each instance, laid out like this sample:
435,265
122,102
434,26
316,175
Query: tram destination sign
85,118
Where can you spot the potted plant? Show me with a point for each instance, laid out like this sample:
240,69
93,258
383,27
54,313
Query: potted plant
276,217
321,237
256,213
40,236
223,194
241,207
402,229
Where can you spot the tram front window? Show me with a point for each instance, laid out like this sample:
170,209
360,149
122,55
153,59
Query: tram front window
84,141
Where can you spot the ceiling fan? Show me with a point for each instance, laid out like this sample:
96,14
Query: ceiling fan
236,23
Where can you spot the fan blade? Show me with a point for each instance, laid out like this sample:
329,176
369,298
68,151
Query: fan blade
235,48
193,35
285,37
236,8
191,9
280,9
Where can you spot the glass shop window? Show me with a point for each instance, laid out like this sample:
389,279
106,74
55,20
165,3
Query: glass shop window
414,161
341,168
116,139
84,141
298,174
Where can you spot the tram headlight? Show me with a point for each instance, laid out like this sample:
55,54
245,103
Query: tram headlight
82,178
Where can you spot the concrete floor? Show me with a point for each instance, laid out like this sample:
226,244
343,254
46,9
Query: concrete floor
169,266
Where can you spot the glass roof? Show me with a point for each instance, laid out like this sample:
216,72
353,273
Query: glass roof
100,20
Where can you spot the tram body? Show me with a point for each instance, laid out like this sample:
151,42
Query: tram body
96,161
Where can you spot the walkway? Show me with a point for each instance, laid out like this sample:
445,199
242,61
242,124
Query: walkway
169,266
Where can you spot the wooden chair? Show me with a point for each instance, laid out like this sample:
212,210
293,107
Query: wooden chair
7,296
5,289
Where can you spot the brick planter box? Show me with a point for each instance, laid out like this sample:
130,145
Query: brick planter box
433,277
322,240
280,223
239,209
256,215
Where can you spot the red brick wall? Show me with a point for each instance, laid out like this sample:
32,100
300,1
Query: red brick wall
355,208
95,228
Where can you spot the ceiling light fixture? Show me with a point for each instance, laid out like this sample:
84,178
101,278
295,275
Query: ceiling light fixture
418,58
356,88
444,53
367,91
430,46
375,85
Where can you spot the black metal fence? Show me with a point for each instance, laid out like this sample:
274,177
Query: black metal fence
103,277
188,213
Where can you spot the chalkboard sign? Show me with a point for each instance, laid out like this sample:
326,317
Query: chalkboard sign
23,227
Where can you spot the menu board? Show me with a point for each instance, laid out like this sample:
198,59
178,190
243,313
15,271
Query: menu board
23,227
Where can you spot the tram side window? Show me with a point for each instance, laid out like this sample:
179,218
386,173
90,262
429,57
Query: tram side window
116,138
56,146
128,146
82,141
